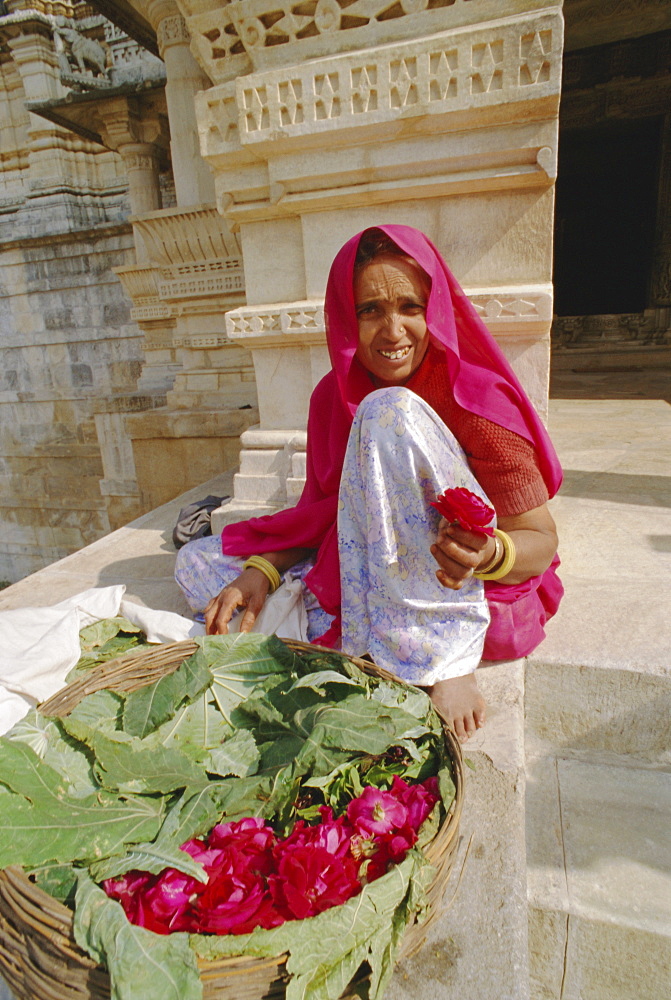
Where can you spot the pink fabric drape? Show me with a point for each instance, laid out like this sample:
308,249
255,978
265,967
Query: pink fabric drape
482,382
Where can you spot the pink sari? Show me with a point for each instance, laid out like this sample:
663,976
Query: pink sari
482,382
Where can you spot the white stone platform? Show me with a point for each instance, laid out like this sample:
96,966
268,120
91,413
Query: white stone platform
578,817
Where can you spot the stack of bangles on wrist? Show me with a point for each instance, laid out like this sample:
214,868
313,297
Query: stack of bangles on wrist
269,571
502,561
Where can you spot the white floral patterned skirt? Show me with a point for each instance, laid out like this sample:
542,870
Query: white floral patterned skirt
399,456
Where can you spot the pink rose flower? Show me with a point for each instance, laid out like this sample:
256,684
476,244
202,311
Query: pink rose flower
251,838
419,800
376,811
466,508
391,849
310,880
161,903
333,835
235,900
167,905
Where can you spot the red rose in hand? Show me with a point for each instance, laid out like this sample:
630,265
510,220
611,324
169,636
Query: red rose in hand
467,509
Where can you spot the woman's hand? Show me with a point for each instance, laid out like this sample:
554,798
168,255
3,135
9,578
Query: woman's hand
249,590
459,552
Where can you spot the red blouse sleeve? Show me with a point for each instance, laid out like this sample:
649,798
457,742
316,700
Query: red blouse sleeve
504,463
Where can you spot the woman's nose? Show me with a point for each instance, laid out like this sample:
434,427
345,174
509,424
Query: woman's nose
394,324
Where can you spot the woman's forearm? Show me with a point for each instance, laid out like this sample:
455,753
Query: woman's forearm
284,560
535,538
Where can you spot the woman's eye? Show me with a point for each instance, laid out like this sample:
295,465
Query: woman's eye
365,310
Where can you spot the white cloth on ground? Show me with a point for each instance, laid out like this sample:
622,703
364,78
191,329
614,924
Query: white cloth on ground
39,646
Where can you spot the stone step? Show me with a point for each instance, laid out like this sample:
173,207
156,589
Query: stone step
606,712
477,949
599,880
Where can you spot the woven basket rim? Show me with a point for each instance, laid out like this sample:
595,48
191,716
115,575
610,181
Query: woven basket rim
134,670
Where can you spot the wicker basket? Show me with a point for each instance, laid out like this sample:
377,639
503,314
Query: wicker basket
39,957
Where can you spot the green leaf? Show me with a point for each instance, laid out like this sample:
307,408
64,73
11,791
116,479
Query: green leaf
195,728
132,767
50,742
279,752
446,786
105,640
142,965
100,710
99,633
320,679
239,756
239,797
57,880
242,664
148,858
192,815
356,724
154,704
42,823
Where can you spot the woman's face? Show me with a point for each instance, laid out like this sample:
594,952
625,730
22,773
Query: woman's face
391,295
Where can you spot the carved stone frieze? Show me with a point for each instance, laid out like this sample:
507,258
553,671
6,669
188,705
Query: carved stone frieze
514,311
450,72
506,311
140,285
202,279
610,331
236,38
193,236
151,312
269,326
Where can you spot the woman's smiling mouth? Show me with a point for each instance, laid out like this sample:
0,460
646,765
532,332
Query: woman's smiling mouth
396,355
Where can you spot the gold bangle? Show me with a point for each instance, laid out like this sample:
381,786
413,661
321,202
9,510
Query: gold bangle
496,558
269,571
507,562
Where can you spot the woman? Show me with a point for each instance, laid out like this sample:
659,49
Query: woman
419,399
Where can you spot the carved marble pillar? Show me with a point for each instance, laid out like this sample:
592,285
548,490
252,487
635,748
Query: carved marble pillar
324,120
141,161
141,142
194,184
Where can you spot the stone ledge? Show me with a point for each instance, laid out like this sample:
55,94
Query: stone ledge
190,423
477,948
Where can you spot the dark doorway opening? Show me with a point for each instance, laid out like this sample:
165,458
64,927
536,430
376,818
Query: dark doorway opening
605,217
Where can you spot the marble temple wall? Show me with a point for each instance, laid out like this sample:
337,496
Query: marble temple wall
330,116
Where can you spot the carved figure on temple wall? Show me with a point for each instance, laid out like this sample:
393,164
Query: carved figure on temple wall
85,52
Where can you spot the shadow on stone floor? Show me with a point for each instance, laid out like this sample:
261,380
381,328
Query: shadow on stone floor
616,487
626,383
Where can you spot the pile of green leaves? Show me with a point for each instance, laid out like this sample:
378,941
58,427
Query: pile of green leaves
244,727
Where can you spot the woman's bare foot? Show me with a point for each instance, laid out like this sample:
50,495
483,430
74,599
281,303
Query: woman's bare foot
461,703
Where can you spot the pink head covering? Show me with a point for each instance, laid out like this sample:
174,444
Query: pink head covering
481,377
482,382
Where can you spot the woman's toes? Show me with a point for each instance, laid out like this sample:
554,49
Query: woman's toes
460,730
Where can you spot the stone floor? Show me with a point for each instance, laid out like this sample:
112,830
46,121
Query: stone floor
572,810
